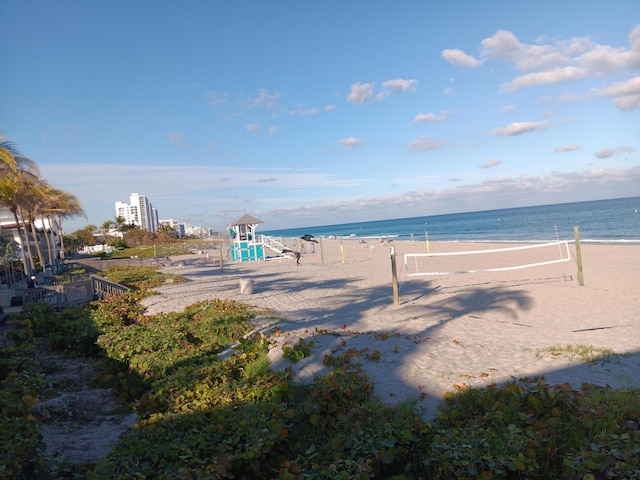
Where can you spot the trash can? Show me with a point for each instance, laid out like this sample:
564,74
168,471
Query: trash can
246,286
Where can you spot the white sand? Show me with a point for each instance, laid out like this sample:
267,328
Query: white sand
472,329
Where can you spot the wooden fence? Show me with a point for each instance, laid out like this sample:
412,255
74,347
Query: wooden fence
72,294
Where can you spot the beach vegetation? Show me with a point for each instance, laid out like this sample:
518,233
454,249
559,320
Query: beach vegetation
577,352
141,278
298,351
209,405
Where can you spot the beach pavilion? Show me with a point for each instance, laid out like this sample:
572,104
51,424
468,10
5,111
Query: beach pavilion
246,246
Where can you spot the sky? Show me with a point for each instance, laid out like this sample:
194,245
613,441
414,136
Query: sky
306,113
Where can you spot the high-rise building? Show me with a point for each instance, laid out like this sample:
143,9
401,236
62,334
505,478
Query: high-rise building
139,212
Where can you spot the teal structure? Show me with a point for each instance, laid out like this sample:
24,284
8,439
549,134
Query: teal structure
246,246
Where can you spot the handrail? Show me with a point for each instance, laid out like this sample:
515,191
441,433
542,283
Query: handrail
103,287
73,294
273,244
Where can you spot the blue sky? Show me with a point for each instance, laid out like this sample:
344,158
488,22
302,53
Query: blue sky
306,113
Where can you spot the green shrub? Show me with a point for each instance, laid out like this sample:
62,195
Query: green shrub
140,277
20,382
118,310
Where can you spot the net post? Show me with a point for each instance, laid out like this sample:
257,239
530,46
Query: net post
321,252
426,236
394,277
576,235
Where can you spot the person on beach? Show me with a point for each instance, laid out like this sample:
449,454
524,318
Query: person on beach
296,254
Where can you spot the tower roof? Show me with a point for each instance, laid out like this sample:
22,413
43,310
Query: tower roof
247,220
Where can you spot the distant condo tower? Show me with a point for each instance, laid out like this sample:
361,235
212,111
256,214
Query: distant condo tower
139,212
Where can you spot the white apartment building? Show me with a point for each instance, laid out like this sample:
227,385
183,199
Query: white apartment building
176,225
139,212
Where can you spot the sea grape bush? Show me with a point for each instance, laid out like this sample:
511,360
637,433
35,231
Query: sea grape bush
143,278
21,447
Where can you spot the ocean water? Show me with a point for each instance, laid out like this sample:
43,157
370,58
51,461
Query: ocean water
603,221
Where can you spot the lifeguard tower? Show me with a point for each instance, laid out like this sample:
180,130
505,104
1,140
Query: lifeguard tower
246,246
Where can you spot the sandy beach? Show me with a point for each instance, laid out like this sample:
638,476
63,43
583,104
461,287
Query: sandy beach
448,331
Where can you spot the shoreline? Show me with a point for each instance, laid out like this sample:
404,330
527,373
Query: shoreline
470,329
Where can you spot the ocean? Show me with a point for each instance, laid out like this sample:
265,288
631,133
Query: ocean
600,221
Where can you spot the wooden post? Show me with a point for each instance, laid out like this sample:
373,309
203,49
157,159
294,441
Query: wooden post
394,277
221,256
576,235
426,236
341,250
321,252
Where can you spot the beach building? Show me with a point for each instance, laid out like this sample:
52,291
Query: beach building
176,225
246,246
139,211
41,254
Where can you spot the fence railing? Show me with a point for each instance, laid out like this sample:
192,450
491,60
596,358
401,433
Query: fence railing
72,294
273,244
104,288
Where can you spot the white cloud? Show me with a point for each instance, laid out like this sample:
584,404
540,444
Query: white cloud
304,112
392,87
626,94
494,162
554,62
459,58
567,148
214,98
265,99
350,142
431,117
360,92
253,127
423,144
610,152
509,108
557,75
518,128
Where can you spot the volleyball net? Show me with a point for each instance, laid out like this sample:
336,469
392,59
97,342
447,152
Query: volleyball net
493,260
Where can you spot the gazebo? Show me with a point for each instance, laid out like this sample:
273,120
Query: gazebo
246,246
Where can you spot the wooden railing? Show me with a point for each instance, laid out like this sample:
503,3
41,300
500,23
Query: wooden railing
105,288
72,294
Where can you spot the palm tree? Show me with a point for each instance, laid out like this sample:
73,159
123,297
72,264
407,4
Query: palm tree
48,209
8,153
68,207
59,205
15,195
28,198
104,229
120,221
34,208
